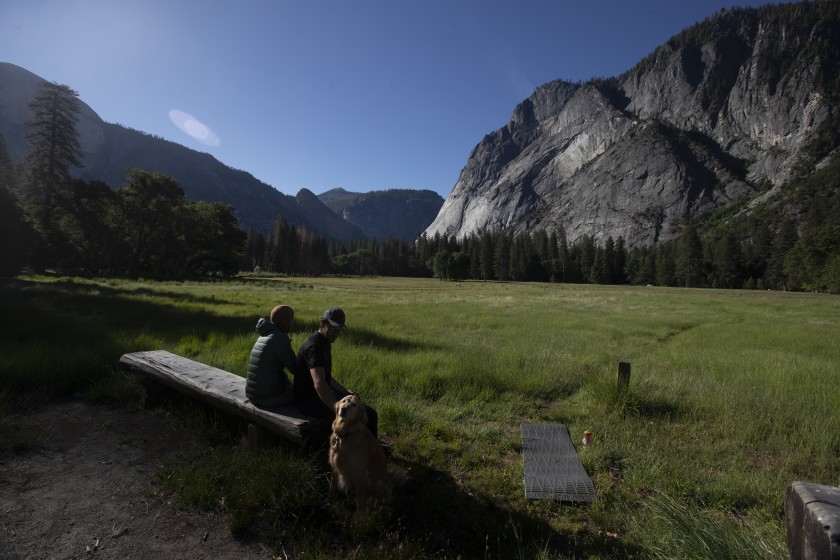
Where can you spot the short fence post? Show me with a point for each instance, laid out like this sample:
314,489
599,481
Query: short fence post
812,512
623,376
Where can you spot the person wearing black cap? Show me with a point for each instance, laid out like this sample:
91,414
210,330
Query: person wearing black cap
316,392
267,384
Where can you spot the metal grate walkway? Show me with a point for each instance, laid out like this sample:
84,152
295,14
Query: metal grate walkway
552,466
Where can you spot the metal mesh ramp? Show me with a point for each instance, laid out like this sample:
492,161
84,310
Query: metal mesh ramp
552,466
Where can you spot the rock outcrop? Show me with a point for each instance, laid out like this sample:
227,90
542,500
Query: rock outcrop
716,114
399,213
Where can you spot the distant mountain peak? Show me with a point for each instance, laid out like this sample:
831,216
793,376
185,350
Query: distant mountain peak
398,213
109,150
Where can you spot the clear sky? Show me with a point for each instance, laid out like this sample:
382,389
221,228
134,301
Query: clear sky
359,94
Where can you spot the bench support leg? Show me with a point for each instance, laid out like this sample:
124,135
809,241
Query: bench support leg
260,438
151,395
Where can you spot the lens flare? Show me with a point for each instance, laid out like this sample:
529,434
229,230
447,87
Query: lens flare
194,128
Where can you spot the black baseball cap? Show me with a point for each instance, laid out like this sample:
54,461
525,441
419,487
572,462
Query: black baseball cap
335,317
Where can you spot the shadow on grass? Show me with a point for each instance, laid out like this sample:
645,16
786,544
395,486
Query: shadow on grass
644,405
432,509
360,336
654,408
99,289
63,336
431,515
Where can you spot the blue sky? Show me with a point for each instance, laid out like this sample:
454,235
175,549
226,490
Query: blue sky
363,95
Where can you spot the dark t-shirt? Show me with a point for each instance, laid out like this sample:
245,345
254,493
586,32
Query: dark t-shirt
314,352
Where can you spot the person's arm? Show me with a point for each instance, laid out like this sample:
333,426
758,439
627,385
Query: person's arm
339,387
286,354
325,392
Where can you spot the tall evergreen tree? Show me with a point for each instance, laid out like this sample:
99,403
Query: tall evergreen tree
727,261
486,255
54,148
619,263
563,255
665,268
599,273
501,258
8,175
16,234
519,250
586,256
783,241
689,258
757,252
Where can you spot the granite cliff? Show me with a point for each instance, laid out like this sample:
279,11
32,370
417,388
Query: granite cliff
399,213
727,109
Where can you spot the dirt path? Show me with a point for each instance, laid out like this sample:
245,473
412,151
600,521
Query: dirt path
88,489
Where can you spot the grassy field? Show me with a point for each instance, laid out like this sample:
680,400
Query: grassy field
732,397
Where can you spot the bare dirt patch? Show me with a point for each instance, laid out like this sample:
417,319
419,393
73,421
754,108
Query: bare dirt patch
88,488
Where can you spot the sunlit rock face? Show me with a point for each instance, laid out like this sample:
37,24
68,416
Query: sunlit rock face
705,119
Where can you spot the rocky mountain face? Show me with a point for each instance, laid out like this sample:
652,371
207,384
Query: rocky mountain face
109,150
329,222
399,213
722,111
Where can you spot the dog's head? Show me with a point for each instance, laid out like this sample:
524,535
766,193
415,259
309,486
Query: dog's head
350,409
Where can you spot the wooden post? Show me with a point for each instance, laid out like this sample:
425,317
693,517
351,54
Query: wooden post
812,512
623,376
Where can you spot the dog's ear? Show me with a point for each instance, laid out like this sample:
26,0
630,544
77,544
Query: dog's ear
363,413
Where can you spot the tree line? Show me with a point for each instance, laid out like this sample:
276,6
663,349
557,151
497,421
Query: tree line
147,228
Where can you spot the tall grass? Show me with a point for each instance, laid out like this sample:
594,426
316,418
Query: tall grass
731,398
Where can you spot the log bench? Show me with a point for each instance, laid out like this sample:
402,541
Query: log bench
225,391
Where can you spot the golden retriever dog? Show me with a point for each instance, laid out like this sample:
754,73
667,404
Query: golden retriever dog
356,457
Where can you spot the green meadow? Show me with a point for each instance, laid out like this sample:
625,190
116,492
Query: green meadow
733,395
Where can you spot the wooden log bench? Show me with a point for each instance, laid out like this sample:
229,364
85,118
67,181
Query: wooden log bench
225,391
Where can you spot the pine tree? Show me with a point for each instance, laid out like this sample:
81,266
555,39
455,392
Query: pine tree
689,259
8,178
599,272
519,257
563,256
54,148
665,264
15,234
619,262
486,256
586,256
727,261
783,241
501,260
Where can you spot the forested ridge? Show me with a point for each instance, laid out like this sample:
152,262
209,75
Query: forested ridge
147,228
786,237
